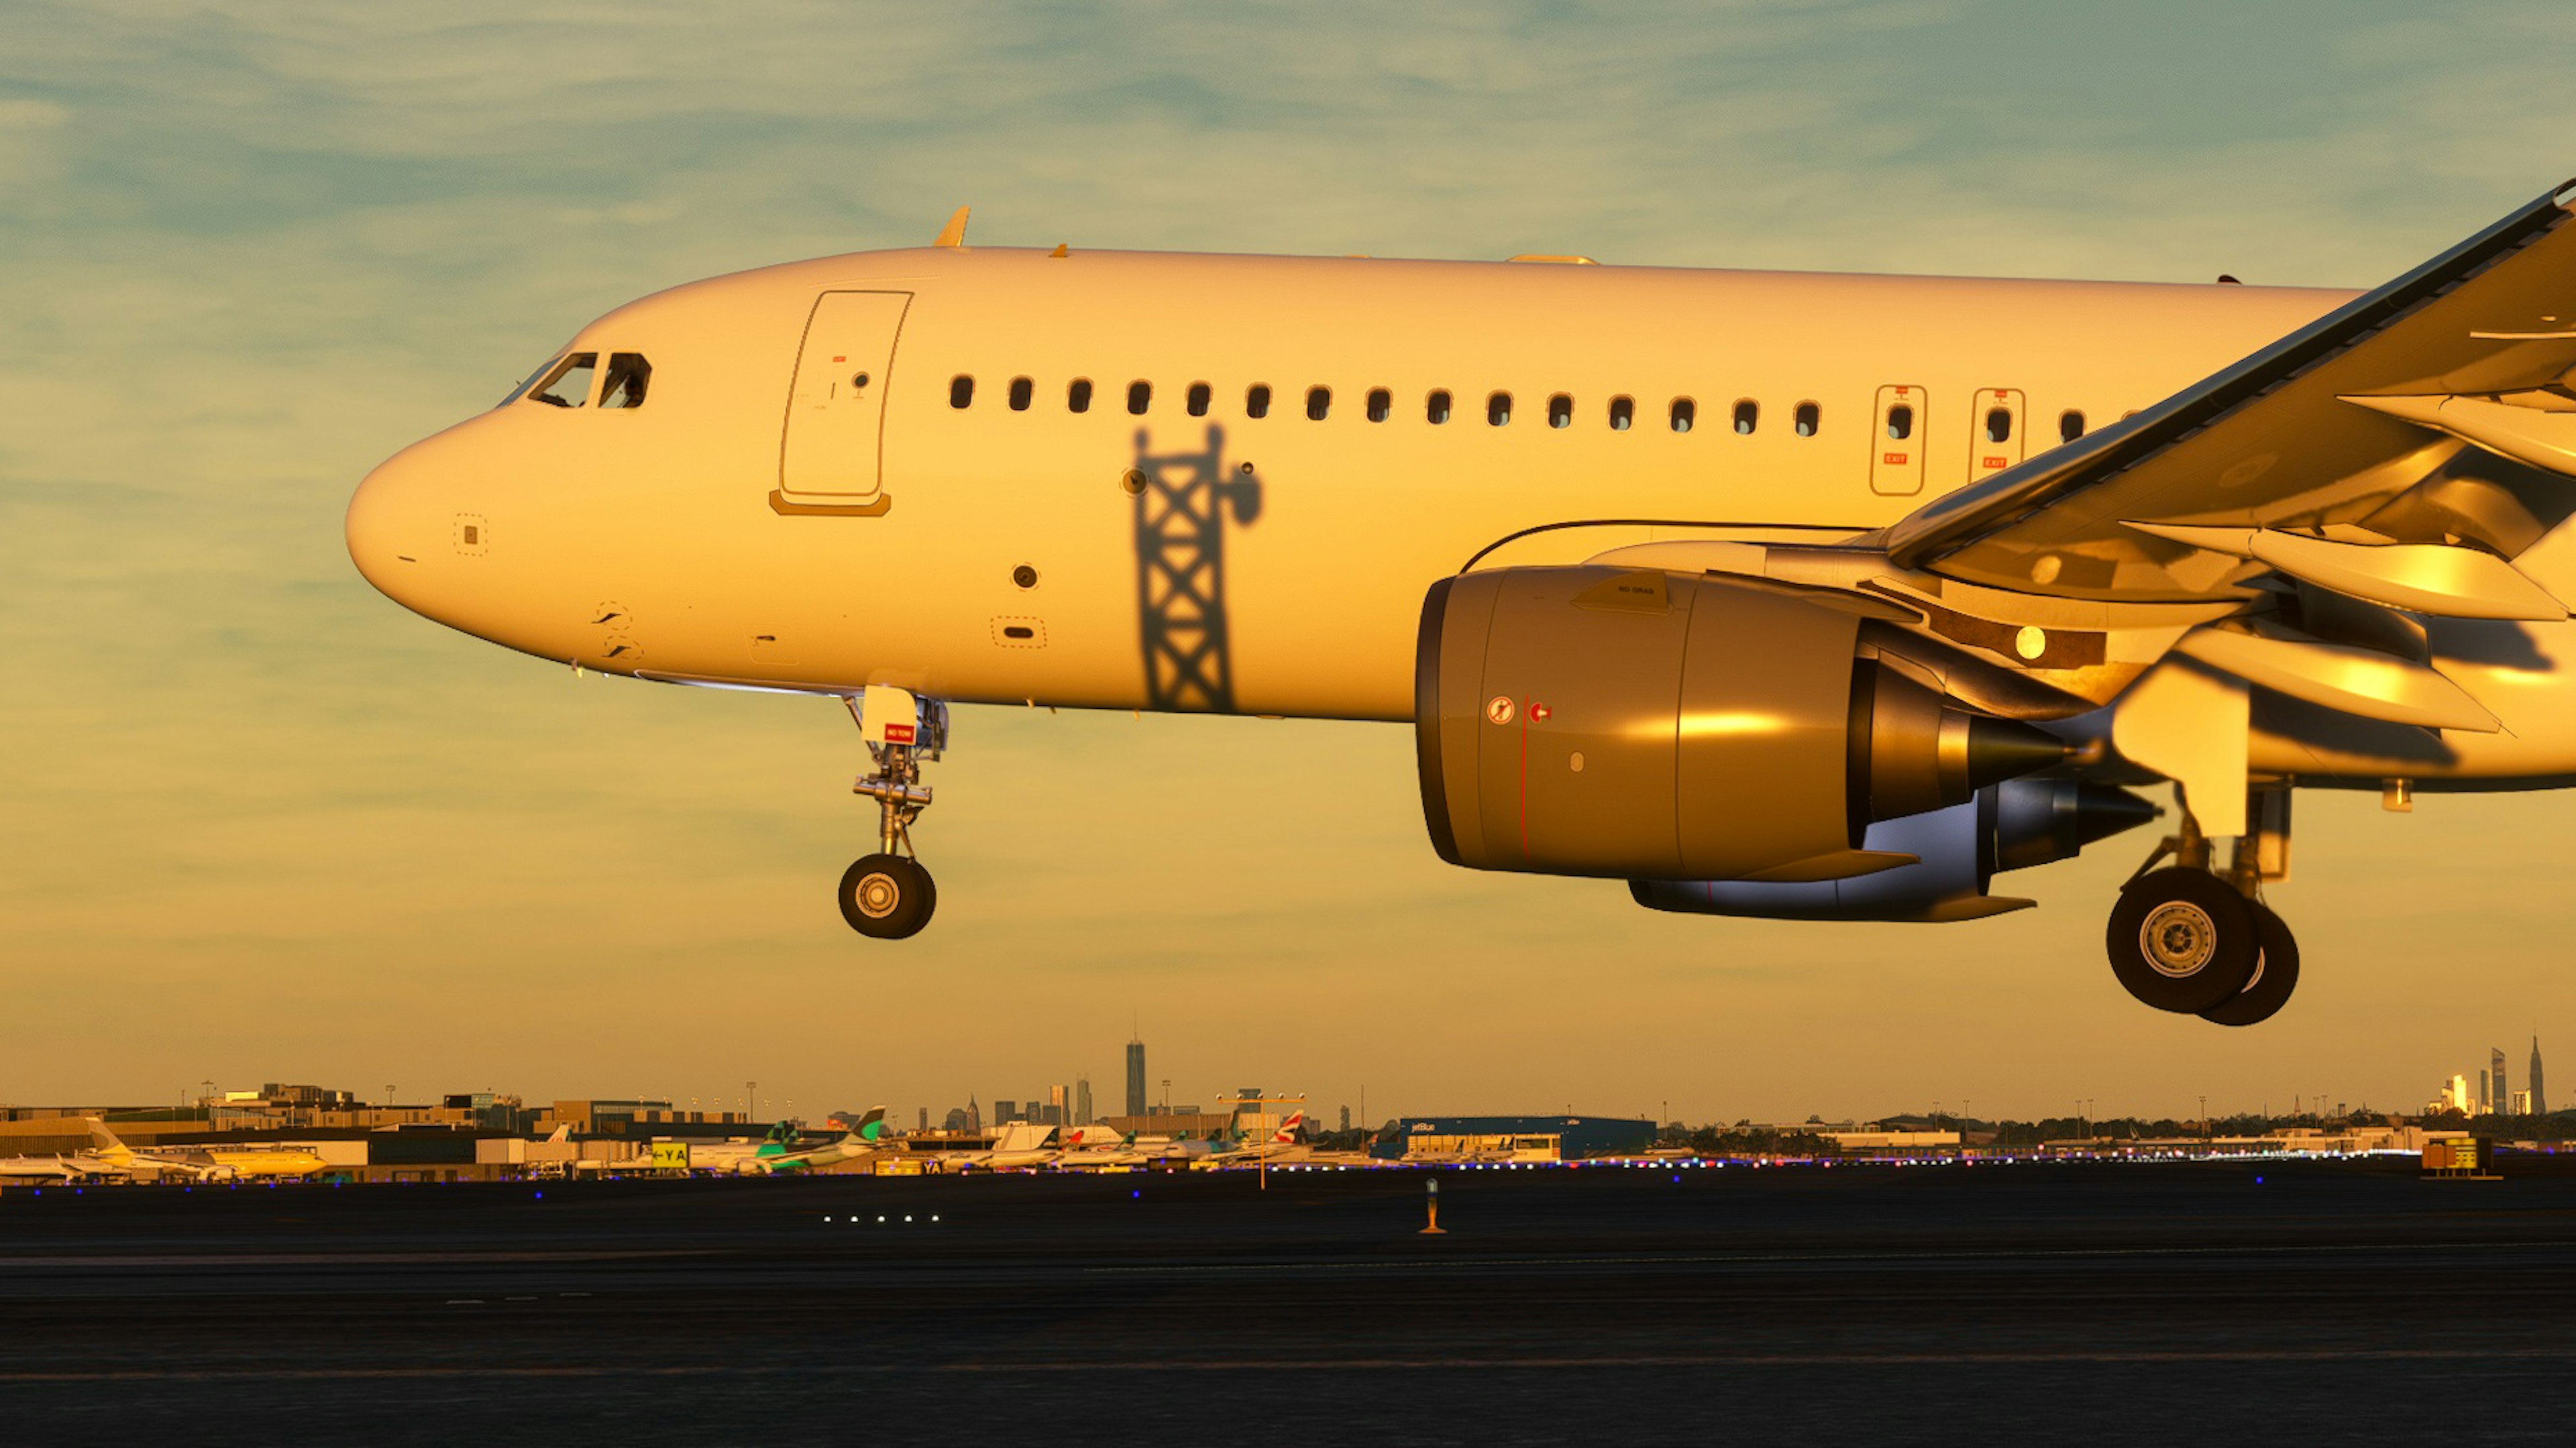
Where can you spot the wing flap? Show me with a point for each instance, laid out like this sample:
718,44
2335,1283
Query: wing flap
2271,442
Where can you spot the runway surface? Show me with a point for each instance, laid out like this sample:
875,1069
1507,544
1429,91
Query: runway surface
2271,1302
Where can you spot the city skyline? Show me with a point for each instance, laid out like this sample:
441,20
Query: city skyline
265,821
2488,1093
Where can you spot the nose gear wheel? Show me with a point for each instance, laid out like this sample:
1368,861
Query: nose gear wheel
887,897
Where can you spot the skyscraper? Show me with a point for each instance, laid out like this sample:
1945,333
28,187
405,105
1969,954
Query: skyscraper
2497,1091
1136,1077
2539,1099
1082,1101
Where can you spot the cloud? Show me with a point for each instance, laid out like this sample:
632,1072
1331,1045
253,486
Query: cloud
253,251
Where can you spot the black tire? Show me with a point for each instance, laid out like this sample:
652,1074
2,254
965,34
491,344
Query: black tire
887,897
2182,940
2276,974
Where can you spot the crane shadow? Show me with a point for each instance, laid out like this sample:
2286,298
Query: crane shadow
1182,503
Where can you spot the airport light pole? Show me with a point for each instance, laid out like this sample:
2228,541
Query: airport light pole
1240,1102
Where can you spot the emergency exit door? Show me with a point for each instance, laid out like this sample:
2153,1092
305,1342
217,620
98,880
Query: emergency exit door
1896,452
836,406
1996,442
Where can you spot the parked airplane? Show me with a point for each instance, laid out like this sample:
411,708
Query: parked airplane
1102,1148
1285,1144
779,1151
1770,594
55,1167
1016,1147
223,1161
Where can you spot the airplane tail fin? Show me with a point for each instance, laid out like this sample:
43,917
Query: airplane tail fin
100,1136
1289,1128
561,1133
871,1126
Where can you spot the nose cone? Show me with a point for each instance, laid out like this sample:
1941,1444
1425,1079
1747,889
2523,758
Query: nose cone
391,527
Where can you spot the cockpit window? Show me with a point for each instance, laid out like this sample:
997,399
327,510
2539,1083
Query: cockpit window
569,384
628,373
527,382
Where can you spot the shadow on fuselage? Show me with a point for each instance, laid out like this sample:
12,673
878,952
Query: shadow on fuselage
1182,502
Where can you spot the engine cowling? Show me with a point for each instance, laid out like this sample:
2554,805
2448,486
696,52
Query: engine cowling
1959,850
1648,725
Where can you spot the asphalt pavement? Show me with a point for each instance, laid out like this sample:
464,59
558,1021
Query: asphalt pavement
2153,1303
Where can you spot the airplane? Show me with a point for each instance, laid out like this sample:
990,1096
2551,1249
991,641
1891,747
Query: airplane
1100,1147
58,1167
1286,1143
779,1153
1769,594
227,1161
1019,1146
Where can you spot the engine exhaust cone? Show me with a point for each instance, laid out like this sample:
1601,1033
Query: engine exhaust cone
2001,749
2104,810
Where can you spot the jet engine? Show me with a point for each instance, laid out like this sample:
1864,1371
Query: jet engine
1640,724
1958,851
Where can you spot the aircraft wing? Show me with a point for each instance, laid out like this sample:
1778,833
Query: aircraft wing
2460,365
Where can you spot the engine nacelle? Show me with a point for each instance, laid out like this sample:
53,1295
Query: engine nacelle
1959,850
1650,725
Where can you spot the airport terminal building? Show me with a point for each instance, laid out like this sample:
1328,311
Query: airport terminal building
1513,1138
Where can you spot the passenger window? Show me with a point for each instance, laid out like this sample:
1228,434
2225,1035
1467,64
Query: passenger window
1256,401
1900,422
628,373
1319,402
1999,424
1436,407
1021,390
1381,404
1804,419
1623,414
961,391
2070,425
1748,415
570,384
1498,409
1560,411
1198,399
1685,412
1140,395
1077,395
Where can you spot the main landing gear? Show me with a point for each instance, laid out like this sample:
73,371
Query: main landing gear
888,895
2196,940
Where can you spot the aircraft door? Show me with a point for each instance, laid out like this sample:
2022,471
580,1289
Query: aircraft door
1896,452
836,406
1997,440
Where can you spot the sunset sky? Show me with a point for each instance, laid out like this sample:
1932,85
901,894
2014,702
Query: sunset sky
258,823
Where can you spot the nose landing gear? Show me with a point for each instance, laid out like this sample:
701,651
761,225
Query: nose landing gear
2194,940
888,895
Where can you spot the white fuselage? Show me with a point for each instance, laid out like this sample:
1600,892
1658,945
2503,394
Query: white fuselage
767,519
